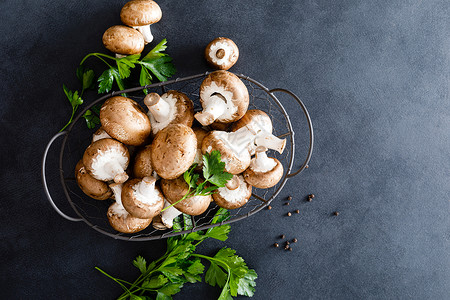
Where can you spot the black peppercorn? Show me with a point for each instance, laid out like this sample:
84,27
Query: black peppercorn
311,196
289,198
336,213
276,245
290,249
287,203
287,243
286,247
294,240
269,207
306,167
289,214
282,236
297,211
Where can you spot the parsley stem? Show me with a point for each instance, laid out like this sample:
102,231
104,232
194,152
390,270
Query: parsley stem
99,56
189,194
115,279
74,109
219,262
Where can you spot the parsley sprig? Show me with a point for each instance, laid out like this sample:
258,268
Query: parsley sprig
214,177
180,264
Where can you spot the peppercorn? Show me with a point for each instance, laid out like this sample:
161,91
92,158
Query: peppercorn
282,236
287,203
309,199
269,207
287,243
336,213
286,247
311,196
289,214
297,211
276,245
290,249
306,167
289,198
294,240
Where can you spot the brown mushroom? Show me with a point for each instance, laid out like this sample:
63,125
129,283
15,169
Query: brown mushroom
141,198
100,134
171,108
142,163
224,98
200,133
123,40
124,120
107,159
140,14
221,53
264,172
233,147
119,218
173,150
92,187
260,124
233,195
165,220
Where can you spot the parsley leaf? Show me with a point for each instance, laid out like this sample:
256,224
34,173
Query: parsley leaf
91,119
215,276
155,282
75,101
126,63
86,77
141,264
145,78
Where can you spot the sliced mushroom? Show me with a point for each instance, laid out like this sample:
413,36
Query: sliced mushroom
165,219
264,172
173,150
171,108
231,197
141,198
142,163
200,133
100,134
224,98
123,40
92,187
119,218
124,120
140,14
260,124
221,53
107,159
233,147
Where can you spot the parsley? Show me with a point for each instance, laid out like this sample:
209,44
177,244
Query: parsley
75,101
92,116
214,177
180,264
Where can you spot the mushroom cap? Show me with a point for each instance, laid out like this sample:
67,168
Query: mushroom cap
264,180
232,90
137,208
173,150
142,163
123,40
176,188
222,53
183,110
123,221
220,126
231,199
100,134
200,133
256,120
124,120
92,187
140,13
102,152
235,163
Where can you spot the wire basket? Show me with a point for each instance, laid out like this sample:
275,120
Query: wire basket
93,212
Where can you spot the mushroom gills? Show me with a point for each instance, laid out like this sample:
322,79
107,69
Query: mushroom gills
234,195
146,33
262,163
145,191
220,53
117,207
162,110
109,165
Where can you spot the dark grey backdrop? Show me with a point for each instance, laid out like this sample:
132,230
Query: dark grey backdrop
375,77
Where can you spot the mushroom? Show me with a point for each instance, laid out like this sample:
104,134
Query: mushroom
260,124
233,147
92,187
124,120
234,194
100,134
222,53
119,218
224,98
200,133
173,191
171,108
165,220
264,172
107,159
123,40
140,14
141,198
142,163
173,150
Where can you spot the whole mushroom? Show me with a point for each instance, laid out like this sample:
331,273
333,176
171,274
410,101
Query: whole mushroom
264,172
92,187
233,147
141,198
124,120
234,194
224,98
171,108
123,40
107,159
260,124
165,220
118,216
222,53
173,150
140,14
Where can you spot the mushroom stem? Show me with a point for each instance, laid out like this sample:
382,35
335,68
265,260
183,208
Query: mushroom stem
262,163
233,183
146,33
169,214
120,55
159,108
270,141
114,167
240,139
146,186
213,109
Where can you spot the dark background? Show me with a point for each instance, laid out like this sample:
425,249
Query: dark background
375,76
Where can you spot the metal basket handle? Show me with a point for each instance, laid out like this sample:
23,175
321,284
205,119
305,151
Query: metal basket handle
44,180
311,132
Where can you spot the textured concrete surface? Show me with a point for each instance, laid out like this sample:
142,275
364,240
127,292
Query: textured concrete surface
375,76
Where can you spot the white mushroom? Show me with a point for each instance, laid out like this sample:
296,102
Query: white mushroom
100,134
264,172
235,194
222,53
141,198
165,219
140,14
